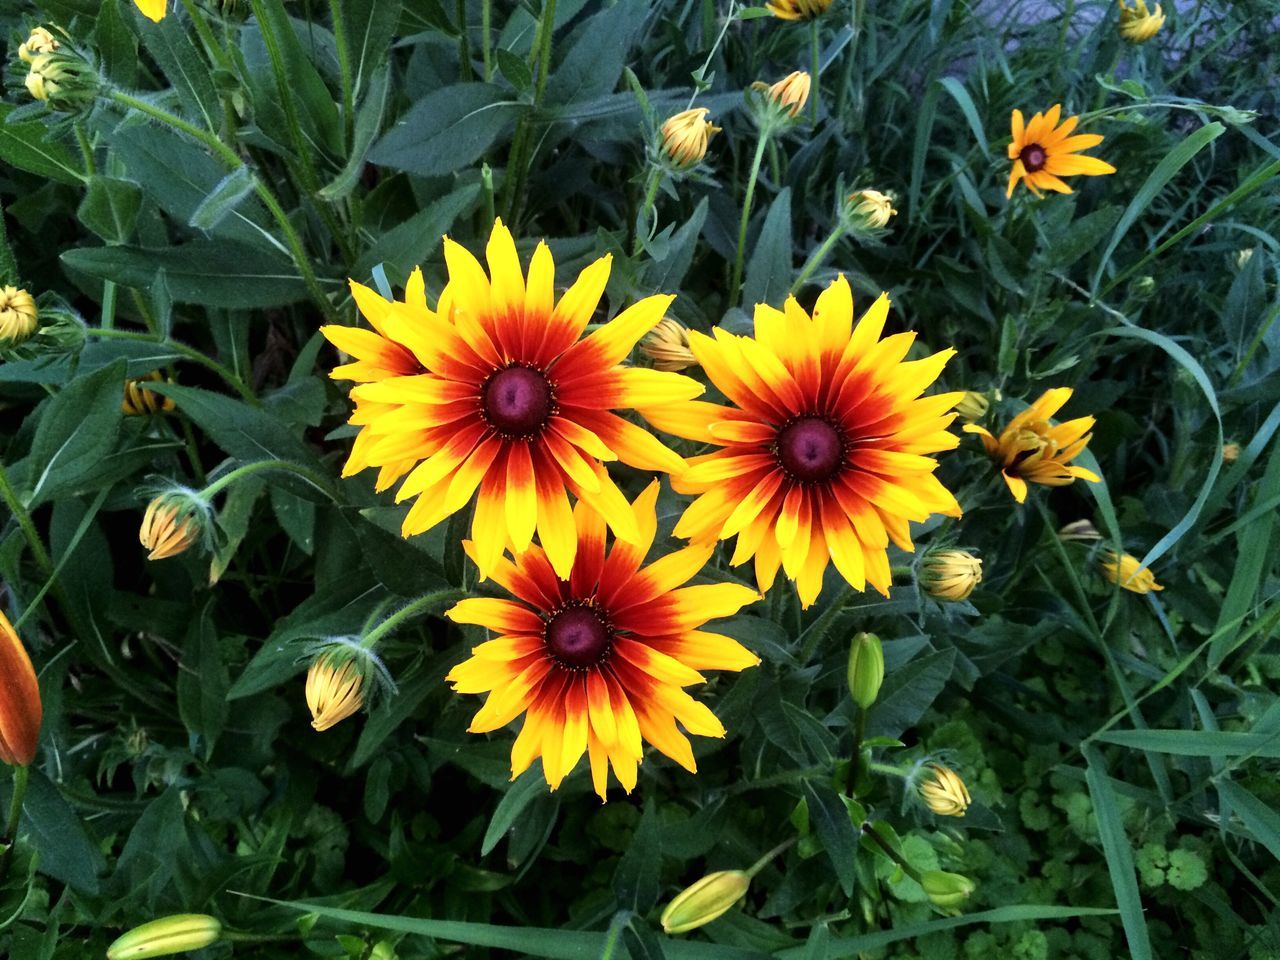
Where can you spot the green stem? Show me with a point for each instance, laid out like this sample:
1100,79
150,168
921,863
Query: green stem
521,153
212,47
344,69
486,19
189,352
464,43
763,862
894,855
650,195
86,150
818,258
815,61
1257,341
736,282
8,262
855,763
319,482
21,776
25,524
407,612
108,316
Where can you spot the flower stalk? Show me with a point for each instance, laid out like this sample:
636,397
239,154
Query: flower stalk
736,283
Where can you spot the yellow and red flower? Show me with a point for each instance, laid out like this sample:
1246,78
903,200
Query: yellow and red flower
1043,152
824,456
1032,449
497,391
598,661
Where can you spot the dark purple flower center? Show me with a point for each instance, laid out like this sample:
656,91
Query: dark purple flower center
810,449
517,401
1033,157
578,636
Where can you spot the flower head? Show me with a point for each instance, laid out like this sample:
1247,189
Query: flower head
172,523
973,406
824,456
1032,449
21,708
153,10
867,211
1125,571
166,936
945,793
711,897
140,400
667,345
496,396
1137,23
1043,152
950,574
335,688
787,97
597,661
685,137
40,41
797,9
19,318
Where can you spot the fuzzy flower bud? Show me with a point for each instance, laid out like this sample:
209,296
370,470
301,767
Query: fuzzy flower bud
709,898
945,793
685,137
335,687
866,211
21,709
950,574
19,318
62,79
179,933
1137,23
172,523
947,891
973,406
1125,571
667,345
40,41
866,669
140,400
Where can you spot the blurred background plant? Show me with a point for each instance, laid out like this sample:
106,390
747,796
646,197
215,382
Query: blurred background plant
183,203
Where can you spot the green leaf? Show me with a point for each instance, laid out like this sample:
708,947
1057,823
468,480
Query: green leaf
203,683
67,852
117,44
1263,821
830,818
1197,743
970,111
412,242
1082,236
509,808
599,50
28,146
514,69
222,199
909,691
110,208
669,272
368,123
169,43
636,881
769,270
370,27
447,130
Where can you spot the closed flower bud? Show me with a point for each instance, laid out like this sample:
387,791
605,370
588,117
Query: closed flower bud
1137,23
973,406
21,709
667,345
685,137
1144,287
172,523
866,669
867,211
780,101
797,9
1230,452
1125,571
1079,530
945,793
168,935
19,318
1243,256
335,687
140,400
40,41
62,79
950,574
709,898
946,891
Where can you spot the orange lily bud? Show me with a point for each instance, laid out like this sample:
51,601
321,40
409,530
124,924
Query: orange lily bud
20,708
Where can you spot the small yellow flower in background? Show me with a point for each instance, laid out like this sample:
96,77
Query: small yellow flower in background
1042,152
21,709
1032,449
1079,530
868,210
335,689
973,406
945,793
1230,452
946,891
1137,23
797,9
1126,572
140,400
40,41
950,574
685,136
788,95
667,345
153,10
166,936
711,897
866,669
19,317
169,527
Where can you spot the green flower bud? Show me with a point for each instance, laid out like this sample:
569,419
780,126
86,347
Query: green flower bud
712,896
946,891
168,935
866,669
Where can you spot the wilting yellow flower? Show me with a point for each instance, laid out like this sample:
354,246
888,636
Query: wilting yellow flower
790,94
598,659
973,406
1042,152
153,10
139,399
946,891
797,9
868,210
685,136
1137,24
40,41
667,345
866,668
950,574
945,793
179,933
1032,449
1126,572
824,455
1230,452
19,317
21,708
709,898
335,689
169,528
1079,530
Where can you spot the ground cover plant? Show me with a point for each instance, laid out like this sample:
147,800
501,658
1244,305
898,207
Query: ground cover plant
659,479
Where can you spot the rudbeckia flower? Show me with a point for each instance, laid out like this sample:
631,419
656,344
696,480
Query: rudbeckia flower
797,9
686,135
1042,152
496,395
598,661
824,455
153,10
1137,23
1032,449
1125,571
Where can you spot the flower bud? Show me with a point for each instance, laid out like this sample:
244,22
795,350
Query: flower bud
781,101
1230,452
685,137
335,687
1144,287
797,9
1137,23
667,345
709,898
866,669
945,793
62,79
19,317
173,522
973,406
21,709
950,574
1243,256
867,211
1125,571
40,41
946,890
140,400
1079,530
168,935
